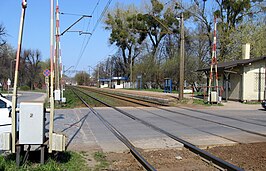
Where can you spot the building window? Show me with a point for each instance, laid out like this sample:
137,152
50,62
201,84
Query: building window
118,82
259,82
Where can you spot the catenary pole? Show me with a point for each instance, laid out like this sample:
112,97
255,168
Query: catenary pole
56,57
58,64
14,96
51,126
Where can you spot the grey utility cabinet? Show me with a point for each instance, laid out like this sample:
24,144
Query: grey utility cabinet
31,123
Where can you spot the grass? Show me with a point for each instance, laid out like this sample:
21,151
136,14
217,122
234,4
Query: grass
72,100
67,161
252,102
100,157
202,102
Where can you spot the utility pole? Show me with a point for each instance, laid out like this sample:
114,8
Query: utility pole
264,80
182,56
51,126
131,71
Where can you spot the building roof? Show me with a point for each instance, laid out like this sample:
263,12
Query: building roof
231,64
119,78
113,78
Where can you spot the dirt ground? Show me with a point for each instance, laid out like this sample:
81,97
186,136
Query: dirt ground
162,160
246,156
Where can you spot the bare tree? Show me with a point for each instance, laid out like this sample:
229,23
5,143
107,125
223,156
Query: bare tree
2,34
31,62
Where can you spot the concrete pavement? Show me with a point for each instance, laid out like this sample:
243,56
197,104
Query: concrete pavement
208,127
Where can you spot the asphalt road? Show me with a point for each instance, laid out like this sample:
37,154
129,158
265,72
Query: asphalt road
25,96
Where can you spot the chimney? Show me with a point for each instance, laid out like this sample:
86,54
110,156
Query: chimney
246,51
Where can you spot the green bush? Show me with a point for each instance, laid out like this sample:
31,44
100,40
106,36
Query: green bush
25,88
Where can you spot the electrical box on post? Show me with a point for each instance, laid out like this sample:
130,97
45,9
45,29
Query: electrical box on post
214,97
63,100
5,141
57,95
59,142
31,123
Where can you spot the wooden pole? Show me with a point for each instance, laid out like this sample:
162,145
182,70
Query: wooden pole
182,56
14,96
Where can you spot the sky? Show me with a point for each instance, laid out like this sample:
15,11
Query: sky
37,29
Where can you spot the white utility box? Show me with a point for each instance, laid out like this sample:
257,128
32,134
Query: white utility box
5,141
31,123
214,97
58,142
57,94
63,100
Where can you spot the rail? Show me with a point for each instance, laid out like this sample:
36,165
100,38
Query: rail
120,136
204,154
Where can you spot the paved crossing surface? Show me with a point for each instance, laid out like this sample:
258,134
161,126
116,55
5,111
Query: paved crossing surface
232,123
208,127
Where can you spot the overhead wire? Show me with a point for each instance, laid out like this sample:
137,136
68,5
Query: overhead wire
93,30
87,28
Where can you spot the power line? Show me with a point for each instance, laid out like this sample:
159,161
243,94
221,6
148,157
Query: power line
83,42
95,7
93,30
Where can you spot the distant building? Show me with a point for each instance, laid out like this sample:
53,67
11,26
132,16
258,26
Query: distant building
114,82
118,82
244,79
104,82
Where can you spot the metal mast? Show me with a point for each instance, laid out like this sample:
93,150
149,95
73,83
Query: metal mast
214,64
51,126
14,96
58,64
56,60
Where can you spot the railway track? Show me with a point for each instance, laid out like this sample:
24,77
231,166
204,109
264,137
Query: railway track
221,164
130,98
158,105
120,136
